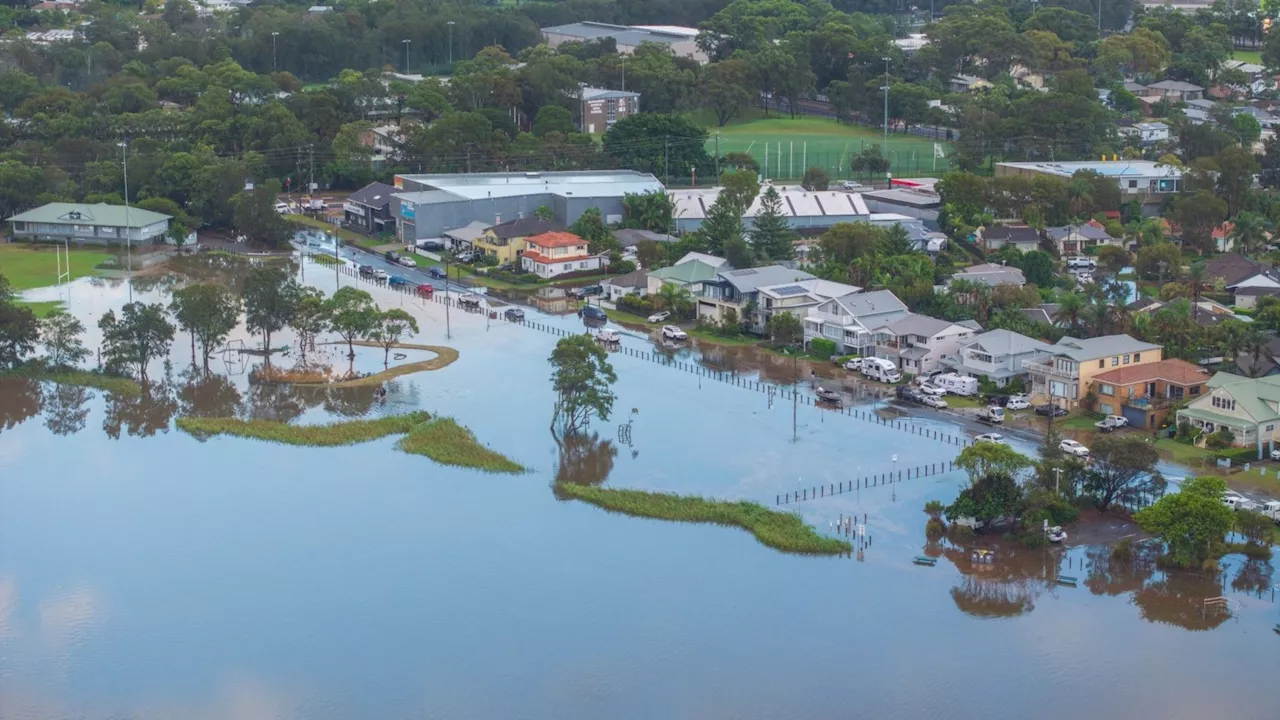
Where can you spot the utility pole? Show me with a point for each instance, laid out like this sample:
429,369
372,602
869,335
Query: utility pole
1057,480
311,176
128,232
450,24
666,149
717,155
448,333
274,35
795,398
406,42
624,72
886,106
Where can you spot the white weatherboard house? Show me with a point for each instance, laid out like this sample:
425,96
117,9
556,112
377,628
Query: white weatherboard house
1248,407
996,355
850,321
917,342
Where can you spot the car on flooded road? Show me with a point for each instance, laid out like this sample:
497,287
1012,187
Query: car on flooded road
671,332
991,438
1071,447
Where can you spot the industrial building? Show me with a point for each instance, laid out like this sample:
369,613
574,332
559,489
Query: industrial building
804,209
433,204
681,40
1143,180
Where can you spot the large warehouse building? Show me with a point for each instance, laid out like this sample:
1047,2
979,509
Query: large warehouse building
432,204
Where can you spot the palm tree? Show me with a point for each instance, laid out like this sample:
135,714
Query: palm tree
673,297
1071,307
1256,342
1195,278
1250,232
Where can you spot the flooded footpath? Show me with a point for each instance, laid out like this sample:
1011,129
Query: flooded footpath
148,574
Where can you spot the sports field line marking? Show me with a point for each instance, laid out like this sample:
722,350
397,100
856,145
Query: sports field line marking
753,142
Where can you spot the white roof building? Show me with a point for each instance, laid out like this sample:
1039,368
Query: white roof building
803,208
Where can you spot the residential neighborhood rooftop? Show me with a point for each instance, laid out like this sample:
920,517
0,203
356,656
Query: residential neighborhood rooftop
747,280
1178,372
1080,349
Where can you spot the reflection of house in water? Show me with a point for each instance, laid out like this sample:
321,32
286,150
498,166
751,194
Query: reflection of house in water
1006,586
552,300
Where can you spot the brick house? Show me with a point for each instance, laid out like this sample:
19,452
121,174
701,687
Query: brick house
1144,394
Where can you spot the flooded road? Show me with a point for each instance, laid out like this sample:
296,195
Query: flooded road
146,574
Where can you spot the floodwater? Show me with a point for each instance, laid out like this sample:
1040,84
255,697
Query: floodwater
145,574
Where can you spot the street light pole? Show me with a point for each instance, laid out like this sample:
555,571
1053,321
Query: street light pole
886,108
450,24
406,42
1057,480
274,35
128,232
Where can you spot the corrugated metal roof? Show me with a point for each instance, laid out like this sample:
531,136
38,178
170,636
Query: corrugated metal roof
100,214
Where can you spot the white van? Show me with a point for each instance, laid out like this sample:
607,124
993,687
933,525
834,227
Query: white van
957,384
881,369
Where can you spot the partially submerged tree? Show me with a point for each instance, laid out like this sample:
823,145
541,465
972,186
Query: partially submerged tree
209,312
388,327
1123,465
18,328
270,297
352,315
310,318
1192,522
582,378
988,458
141,334
60,334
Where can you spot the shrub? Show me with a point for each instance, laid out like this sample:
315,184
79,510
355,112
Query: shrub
822,347
515,277
1220,439
636,305
935,528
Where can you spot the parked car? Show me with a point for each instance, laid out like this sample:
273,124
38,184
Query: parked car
1081,261
908,394
991,414
990,437
435,272
671,332
1111,422
366,271
433,245
659,316
514,314
830,397
1071,447
590,290
379,274
1271,509
933,401
929,388
1050,410
466,256
391,256
1017,402
1236,501
608,335
469,302
854,365
282,208
397,281
850,185
407,261
591,312
1275,454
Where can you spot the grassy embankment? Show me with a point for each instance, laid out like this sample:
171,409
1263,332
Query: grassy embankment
778,530
33,266
444,356
449,443
83,378
440,439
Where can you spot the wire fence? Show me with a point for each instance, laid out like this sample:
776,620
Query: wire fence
868,481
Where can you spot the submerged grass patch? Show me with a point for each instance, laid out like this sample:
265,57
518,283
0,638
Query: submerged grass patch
82,378
778,530
449,443
347,432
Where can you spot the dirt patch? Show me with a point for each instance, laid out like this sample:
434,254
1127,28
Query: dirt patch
1098,528
445,356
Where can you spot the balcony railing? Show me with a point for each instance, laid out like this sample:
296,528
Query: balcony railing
1050,368
1150,403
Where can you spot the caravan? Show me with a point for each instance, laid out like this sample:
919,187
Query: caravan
957,384
880,369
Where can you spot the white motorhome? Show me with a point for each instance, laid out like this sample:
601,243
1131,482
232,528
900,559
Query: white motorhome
957,384
881,369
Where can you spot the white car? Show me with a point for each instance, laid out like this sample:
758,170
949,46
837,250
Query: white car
850,185
407,261
1071,447
672,332
931,389
1236,501
282,208
1275,454
990,437
1084,278
659,316
933,401
379,274
1082,261
1017,402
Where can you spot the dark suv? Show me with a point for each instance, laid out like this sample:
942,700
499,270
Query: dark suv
392,257
591,312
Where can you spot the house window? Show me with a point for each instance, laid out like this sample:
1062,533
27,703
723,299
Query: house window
1224,403
1133,184
1115,361
1102,363
982,357
1194,390
1106,409
1107,389
582,265
1271,427
568,266
1137,357
1126,358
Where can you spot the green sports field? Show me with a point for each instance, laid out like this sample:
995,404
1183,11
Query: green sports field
794,144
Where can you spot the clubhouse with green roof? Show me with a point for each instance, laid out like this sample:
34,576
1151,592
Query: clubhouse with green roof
1247,407
91,224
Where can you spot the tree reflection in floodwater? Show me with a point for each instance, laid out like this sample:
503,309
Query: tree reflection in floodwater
1178,599
281,403
65,408
1006,586
1254,577
20,400
141,415
208,395
1112,573
584,460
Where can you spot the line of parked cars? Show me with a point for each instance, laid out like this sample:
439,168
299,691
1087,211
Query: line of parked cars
918,395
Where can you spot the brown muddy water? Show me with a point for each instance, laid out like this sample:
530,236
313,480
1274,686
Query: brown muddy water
145,574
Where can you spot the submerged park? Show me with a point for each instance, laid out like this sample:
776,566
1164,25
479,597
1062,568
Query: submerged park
215,542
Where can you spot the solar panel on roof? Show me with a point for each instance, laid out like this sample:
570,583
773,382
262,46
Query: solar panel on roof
787,290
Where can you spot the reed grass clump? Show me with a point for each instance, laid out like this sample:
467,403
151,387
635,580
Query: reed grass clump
347,432
778,530
449,443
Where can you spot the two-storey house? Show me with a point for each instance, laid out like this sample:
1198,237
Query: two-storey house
505,241
1065,374
996,355
370,209
850,321
688,273
916,343
796,298
738,290
556,253
1247,407
1144,394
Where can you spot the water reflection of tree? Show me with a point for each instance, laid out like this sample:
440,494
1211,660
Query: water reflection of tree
20,400
282,403
1178,599
1007,586
1254,577
1119,573
350,401
65,408
140,415
584,459
209,395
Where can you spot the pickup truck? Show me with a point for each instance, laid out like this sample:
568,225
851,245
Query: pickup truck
991,414
1271,509
1111,422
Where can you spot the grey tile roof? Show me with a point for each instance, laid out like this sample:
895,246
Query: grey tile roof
1012,233
635,278
1085,230
914,353
745,281
1175,85
1081,349
990,274
468,232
